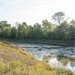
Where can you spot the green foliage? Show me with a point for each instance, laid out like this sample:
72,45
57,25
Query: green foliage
13,32
63,72
5,29
46,30
58,17
18,68
3,68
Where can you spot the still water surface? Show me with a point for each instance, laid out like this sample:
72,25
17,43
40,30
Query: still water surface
56,56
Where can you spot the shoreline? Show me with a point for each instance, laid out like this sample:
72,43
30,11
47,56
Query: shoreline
42,41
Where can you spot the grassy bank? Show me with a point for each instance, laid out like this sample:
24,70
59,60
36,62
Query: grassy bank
44,41
16,61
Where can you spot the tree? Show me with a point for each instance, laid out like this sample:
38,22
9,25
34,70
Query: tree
5,29
37,31
61,32
22,31
58,17
19,31
48,28
25,30
13,32
72,30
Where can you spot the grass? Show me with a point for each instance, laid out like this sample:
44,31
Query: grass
16,61
43,41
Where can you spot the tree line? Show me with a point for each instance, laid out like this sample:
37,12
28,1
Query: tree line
47,30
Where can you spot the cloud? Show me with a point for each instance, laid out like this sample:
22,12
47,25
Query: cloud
42,1
12,3
35,10
1,9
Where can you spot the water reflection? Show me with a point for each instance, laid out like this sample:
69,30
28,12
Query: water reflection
56,56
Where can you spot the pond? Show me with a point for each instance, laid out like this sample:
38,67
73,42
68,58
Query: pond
56,56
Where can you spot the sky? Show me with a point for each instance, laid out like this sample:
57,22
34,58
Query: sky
34,11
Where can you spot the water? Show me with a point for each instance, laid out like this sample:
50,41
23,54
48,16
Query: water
56,56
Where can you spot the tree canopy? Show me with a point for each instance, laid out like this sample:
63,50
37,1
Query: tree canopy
58,17
46,30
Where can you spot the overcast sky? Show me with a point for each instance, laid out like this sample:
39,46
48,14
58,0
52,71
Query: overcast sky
32,11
